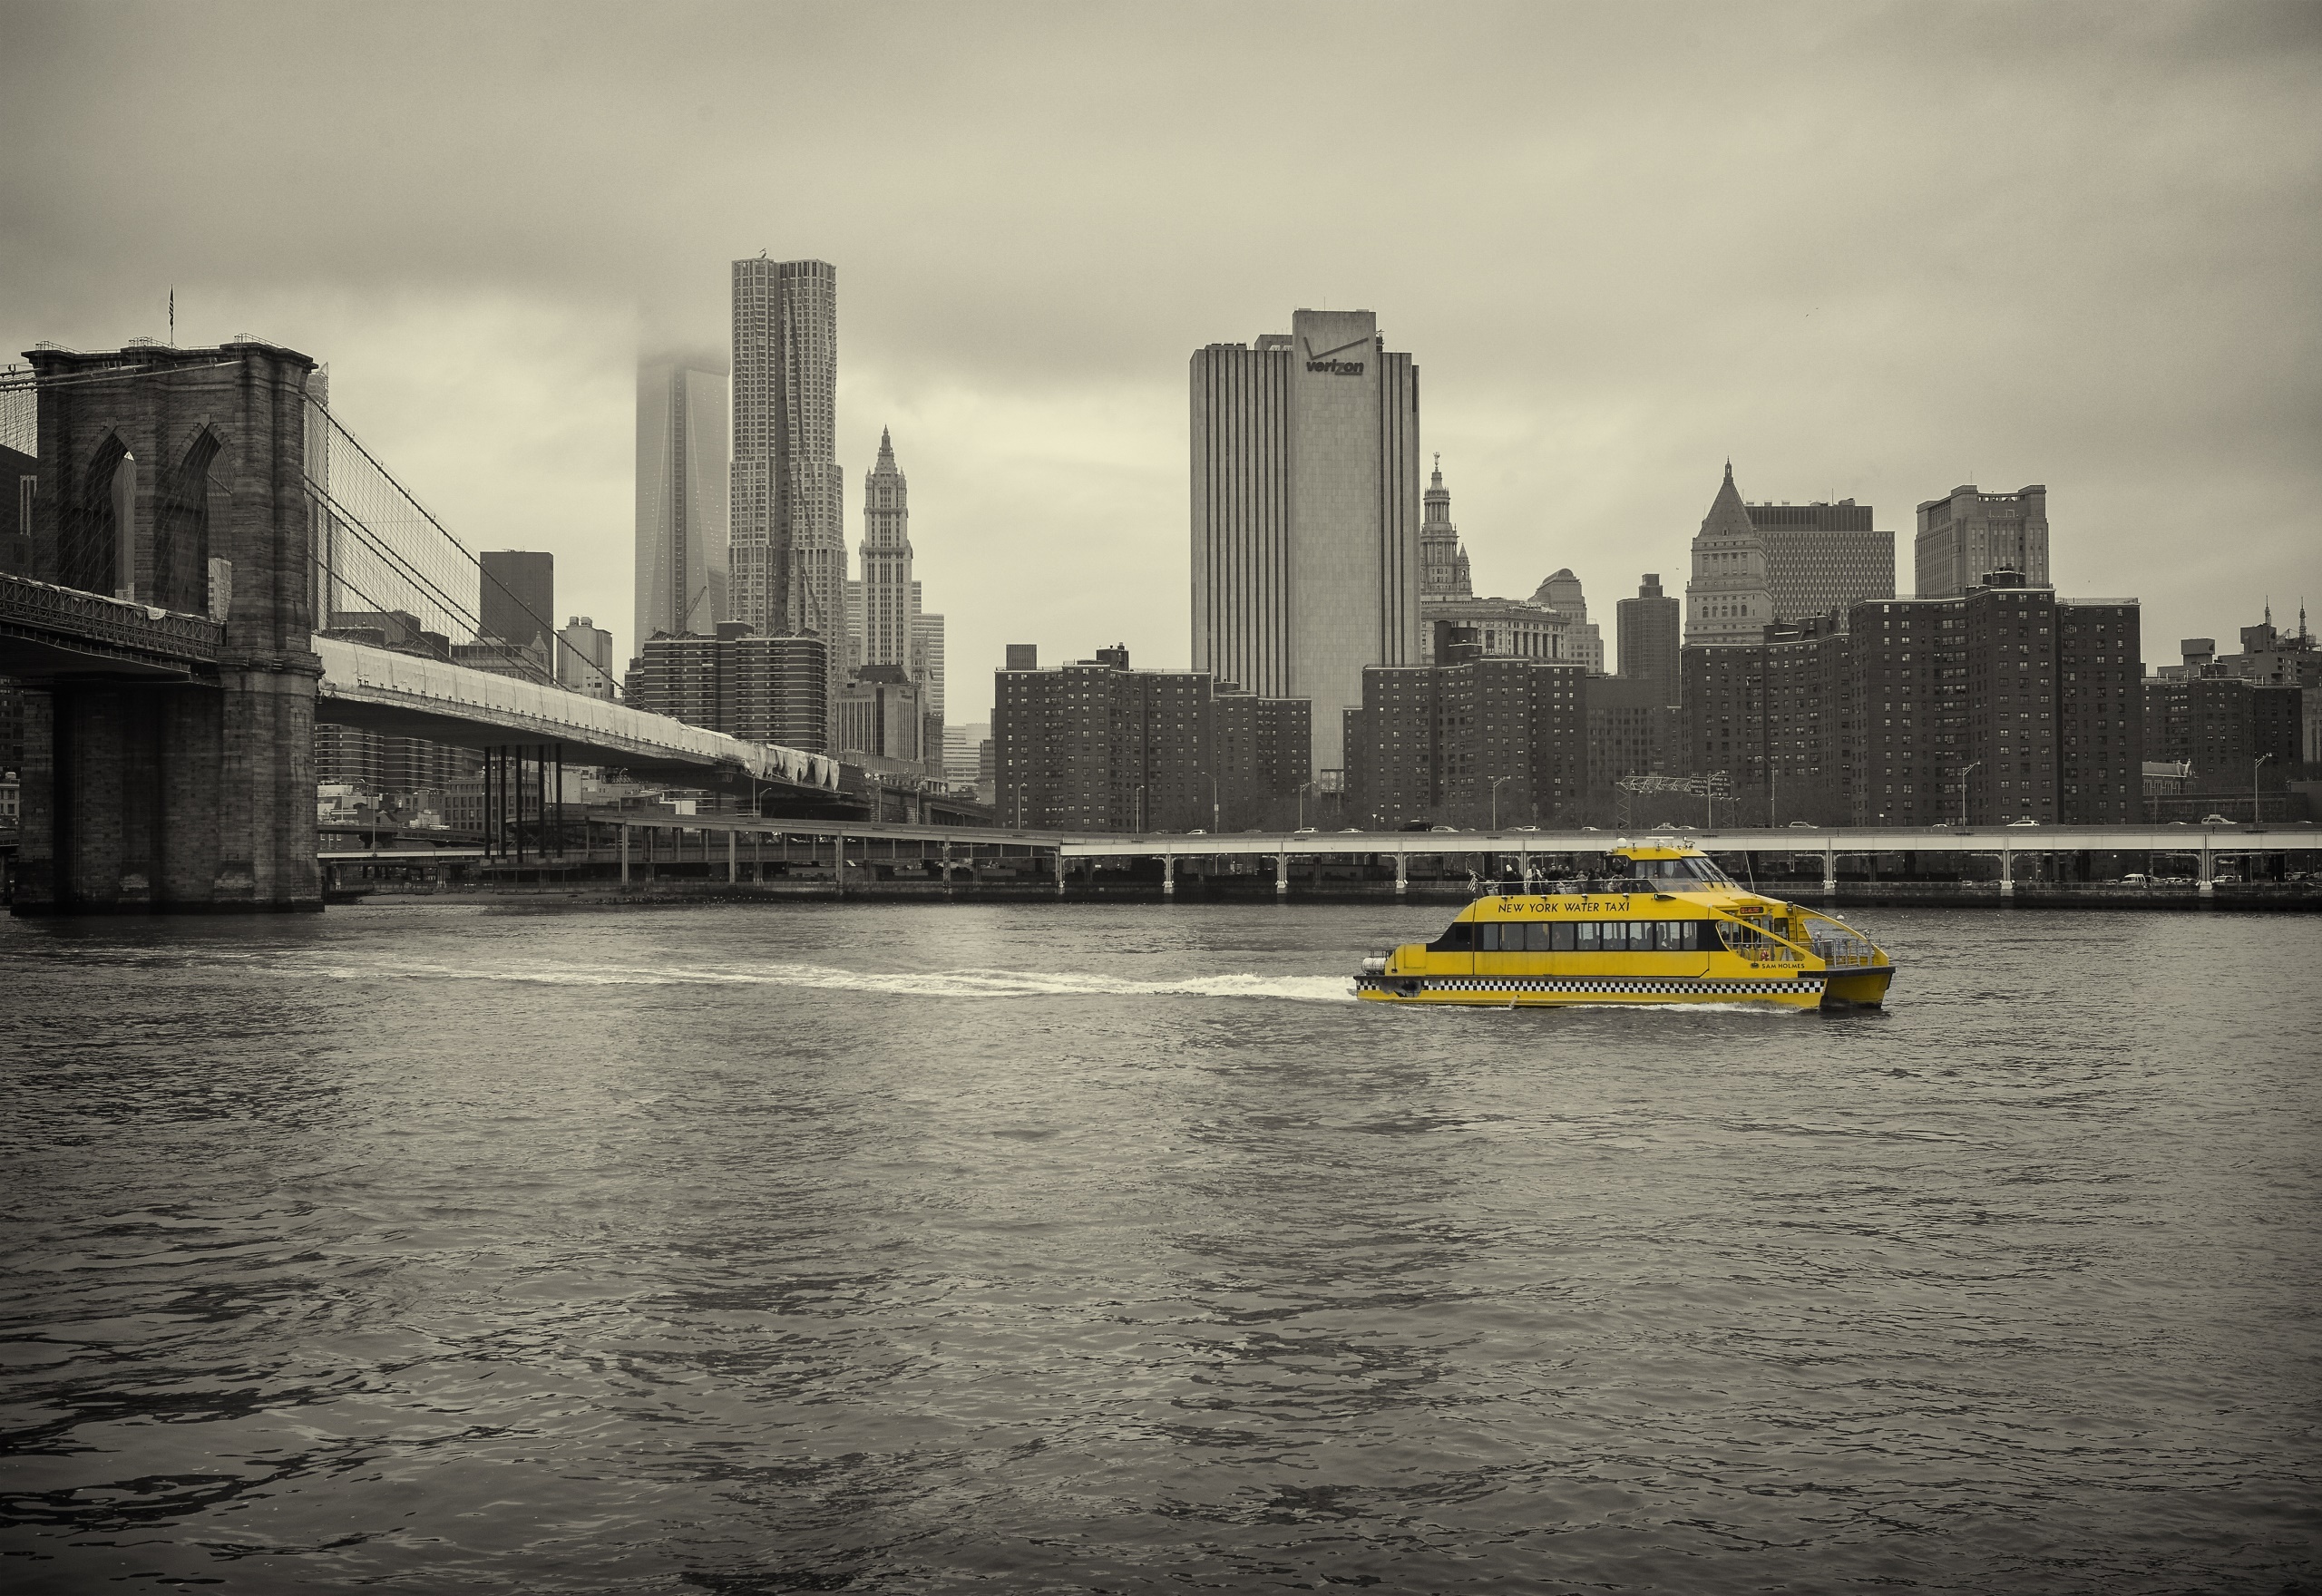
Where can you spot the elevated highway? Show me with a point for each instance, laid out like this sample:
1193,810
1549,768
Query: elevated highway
1835,839
1514,852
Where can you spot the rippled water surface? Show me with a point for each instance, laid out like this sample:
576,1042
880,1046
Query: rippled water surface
933,1248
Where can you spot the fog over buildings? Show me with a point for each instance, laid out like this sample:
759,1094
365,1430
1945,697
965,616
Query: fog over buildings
2073,245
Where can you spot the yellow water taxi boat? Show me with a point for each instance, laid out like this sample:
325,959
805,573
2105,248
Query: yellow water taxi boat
1663,925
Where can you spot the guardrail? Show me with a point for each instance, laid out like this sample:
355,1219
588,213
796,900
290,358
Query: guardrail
72,612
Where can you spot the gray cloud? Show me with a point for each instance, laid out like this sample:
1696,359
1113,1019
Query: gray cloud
1874,250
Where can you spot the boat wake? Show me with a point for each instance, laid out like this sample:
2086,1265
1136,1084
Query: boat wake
948,983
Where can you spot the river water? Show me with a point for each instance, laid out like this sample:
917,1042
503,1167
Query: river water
1099,1247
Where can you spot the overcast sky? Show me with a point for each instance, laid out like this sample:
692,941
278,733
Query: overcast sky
1866,252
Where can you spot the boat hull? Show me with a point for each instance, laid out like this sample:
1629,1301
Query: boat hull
1858,988
1805,990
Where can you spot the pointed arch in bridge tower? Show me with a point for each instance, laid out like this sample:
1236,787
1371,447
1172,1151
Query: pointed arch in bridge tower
95,519
180,544
148,788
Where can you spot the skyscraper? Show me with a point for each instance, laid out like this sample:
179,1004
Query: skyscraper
1647,630
889,596
1727,601
519,598
1443,564
1306,515
681,490
927,657
584,657
1822,557
1970,535
788,547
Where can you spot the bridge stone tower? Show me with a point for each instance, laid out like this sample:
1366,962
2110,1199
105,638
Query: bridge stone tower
176,776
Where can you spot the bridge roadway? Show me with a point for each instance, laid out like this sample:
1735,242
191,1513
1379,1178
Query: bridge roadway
404,696
50,633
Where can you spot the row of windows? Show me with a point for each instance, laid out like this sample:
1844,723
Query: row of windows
1580,936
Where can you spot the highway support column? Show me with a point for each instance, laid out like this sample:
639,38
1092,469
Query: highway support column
1168,875
1402,873
624,853
1281,873
1830,871
2006,868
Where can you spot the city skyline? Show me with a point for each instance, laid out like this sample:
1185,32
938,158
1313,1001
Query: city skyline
1578,431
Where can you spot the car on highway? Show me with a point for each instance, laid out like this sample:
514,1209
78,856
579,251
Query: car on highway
2215,820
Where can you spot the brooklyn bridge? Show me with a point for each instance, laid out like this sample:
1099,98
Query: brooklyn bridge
198,513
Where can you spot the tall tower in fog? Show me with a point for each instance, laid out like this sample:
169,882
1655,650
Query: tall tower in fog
681,486
788,548
1306,515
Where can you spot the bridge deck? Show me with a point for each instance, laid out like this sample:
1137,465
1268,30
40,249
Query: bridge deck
404,696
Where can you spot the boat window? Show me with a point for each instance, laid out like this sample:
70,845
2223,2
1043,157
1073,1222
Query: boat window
1488,938
1669,935
1457,938
1586,939
1535,935
1559,936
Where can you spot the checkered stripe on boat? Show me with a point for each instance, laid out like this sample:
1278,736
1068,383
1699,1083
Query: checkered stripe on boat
1642,985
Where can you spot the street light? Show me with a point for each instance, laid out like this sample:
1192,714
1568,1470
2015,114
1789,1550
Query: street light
1495,781
2253,785
1964,772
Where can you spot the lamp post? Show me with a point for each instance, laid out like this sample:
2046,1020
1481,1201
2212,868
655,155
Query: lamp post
1496,781
1213,823
1964,771
1136,816
2254,767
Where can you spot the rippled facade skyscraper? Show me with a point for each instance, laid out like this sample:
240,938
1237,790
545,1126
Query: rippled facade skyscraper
788,549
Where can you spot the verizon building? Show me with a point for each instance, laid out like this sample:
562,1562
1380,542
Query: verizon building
1306,515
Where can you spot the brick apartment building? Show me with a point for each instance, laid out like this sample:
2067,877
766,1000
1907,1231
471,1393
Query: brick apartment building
1097,746
1450,744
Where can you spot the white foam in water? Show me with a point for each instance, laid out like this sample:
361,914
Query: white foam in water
950,983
